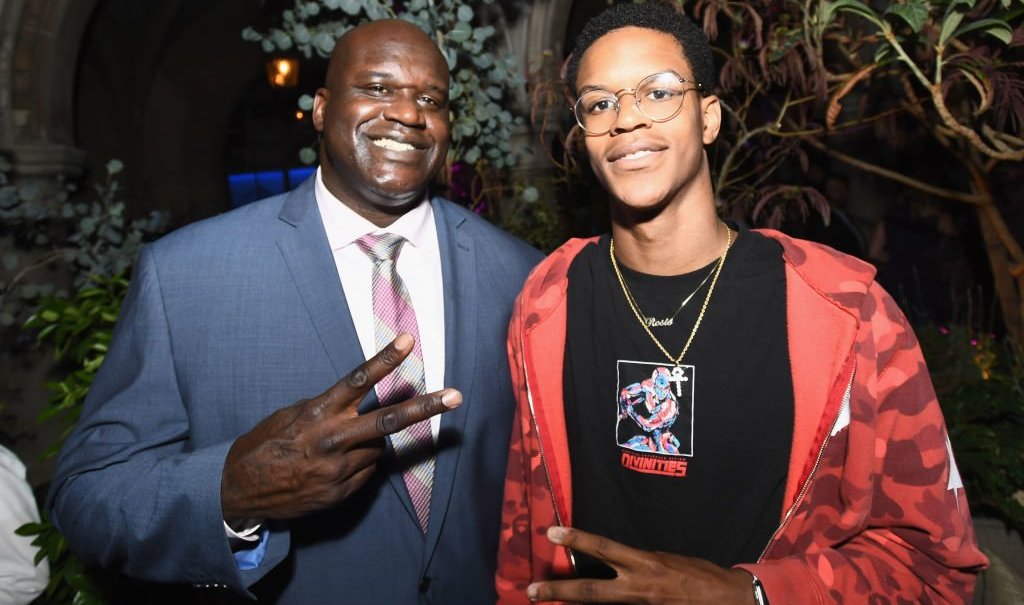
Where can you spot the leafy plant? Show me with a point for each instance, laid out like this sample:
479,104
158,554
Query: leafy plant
69,582
68,241
79,330
980,384
845,79
61,240
534,219
958,66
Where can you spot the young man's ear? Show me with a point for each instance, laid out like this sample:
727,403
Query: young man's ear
711,118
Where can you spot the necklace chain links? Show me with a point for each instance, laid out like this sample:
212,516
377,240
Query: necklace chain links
703,308
654,322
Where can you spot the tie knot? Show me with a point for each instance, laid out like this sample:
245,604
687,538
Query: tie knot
382,247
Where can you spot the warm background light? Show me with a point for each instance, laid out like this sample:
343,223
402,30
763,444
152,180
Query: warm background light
283,72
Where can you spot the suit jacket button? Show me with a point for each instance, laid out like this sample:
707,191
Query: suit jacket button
424,584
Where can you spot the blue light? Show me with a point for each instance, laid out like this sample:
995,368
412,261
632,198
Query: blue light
297,175
245,187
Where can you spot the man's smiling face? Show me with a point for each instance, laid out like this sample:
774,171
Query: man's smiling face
384,118
647,165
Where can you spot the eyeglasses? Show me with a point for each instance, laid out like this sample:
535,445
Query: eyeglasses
658,96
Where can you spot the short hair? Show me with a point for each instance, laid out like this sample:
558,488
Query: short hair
652,15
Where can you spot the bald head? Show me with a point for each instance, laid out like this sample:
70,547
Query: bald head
381,32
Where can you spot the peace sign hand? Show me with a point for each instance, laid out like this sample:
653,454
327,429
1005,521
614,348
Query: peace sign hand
317,452
643,577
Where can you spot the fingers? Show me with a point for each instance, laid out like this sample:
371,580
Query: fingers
393,418
356,481
355,476
355,460
611,552
347,392
578,591
618,556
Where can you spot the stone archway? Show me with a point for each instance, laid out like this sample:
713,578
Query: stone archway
151,83
156,91
39,43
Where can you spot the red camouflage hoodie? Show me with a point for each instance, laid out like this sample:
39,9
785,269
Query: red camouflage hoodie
873,509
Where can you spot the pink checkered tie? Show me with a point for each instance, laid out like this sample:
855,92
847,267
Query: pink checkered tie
393,314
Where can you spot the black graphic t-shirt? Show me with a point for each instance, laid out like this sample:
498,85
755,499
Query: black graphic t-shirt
689,459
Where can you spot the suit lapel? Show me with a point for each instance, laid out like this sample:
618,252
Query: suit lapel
458,267
305,249
303,244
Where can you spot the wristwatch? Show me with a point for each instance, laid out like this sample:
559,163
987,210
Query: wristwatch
759,597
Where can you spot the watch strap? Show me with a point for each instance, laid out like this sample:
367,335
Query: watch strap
759,596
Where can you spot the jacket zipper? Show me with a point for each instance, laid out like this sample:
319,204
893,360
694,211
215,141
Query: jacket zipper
540,447
817,463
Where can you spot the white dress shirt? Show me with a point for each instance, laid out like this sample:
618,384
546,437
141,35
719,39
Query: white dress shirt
419,266
21,580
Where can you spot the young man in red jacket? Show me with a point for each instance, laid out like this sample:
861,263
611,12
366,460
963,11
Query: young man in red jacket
708,415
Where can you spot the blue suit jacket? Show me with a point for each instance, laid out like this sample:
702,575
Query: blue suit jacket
234,317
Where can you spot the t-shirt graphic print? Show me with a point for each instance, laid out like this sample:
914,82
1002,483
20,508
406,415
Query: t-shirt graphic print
654,423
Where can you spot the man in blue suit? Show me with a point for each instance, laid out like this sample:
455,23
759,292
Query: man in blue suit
205,455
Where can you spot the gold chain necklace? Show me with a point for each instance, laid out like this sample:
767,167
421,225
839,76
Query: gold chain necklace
654,322
703,308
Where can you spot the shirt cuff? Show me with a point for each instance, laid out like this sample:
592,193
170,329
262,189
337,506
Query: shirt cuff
249,554
248,533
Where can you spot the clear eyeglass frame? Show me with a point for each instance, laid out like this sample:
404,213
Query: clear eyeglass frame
657,110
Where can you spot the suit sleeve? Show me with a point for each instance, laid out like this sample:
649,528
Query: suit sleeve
130,493
894,488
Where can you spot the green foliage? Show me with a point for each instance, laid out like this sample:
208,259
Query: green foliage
878,87
69,582
808,77
948,42
68,231
534,220
79,329
485,81
93,243
913,13
980,385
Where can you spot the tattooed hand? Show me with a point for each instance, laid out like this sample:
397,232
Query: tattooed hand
317,452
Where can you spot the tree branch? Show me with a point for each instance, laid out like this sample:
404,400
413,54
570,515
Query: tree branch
969,198
969,133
